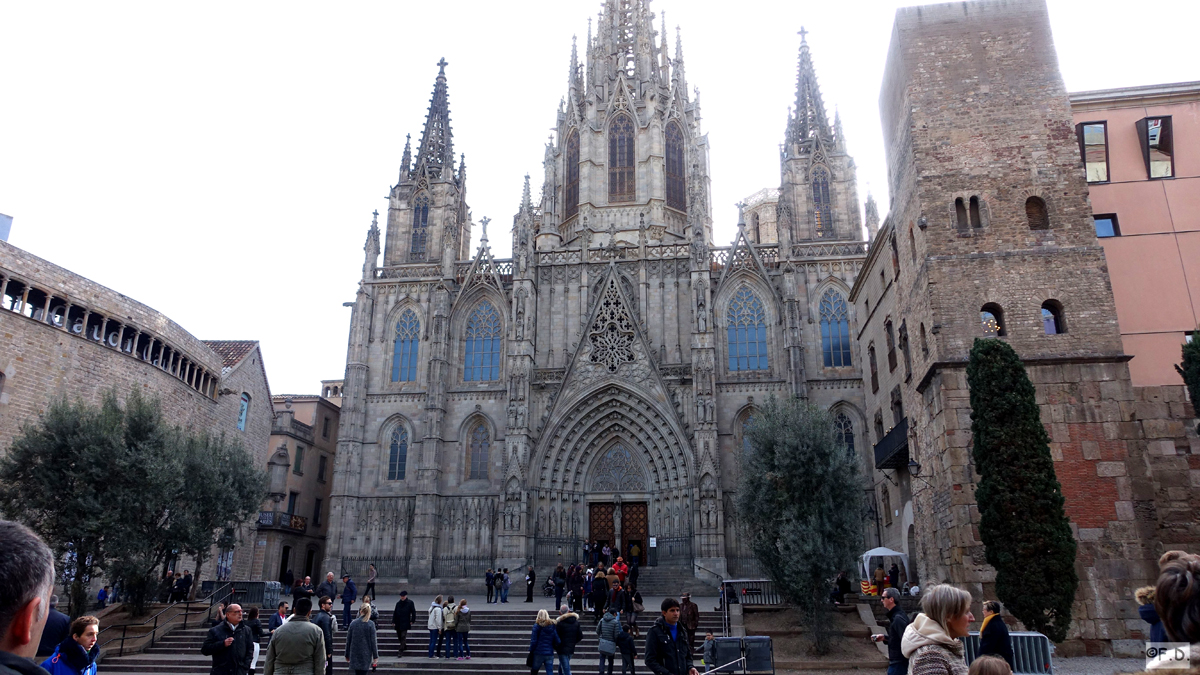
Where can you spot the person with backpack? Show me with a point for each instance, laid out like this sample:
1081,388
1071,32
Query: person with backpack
504,589
608,629
435,625
489,579
498,585
450,622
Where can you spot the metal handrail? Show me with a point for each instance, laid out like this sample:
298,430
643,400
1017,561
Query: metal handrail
187,608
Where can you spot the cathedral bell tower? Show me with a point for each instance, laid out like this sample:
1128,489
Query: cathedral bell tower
428,218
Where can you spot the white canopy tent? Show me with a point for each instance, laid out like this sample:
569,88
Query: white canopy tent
883,552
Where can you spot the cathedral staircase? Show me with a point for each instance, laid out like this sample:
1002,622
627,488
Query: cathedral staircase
499,643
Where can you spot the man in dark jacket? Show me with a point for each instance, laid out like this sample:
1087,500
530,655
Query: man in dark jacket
58,627
667,650
349,595
327,587
185,585
25,590
570,633
897,622
530,580
689,616
277,619
402,618
327,622
993,634
229,645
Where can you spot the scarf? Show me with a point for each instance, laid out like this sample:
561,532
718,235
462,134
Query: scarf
924,631
986,619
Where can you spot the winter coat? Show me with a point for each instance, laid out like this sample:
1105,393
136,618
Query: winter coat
993,639
297,648
626,644
255,628
559,578
608,629
349,592
689,615
930,650
507,582
362,645
232,660
404,615
11,664
275,622
327,589
616,598
570,633
462,623
664,655
710,654
70,659
327,623
1158,633
599,592
543,640
58,628
897,623
437,618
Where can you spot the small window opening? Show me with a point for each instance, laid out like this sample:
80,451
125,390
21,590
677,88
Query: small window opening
960,210
992,318
1158,146
1035,213
1093,145
924,342
976,220
1052,317
1106,225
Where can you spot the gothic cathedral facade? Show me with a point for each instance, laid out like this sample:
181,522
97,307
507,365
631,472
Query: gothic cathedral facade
594,387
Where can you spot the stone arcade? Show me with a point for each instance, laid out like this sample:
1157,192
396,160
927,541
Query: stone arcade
595,386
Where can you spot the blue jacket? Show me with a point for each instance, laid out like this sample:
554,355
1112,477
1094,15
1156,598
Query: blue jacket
1150,615
349,592
543,639
70,659
275,622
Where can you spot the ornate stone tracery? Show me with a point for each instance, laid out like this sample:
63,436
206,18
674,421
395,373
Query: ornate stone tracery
617,471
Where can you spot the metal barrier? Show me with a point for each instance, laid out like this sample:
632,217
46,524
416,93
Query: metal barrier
244,593
751,592
1032,652
222,594
752,654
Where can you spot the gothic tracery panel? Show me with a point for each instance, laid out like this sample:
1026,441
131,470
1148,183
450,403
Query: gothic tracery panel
618,471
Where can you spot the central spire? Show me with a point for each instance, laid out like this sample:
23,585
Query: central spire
436,152
809,121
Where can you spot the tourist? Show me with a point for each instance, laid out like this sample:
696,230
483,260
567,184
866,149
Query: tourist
102,598
449,621
570,633
229,643
288,581
689,616
894,576
1177,599
507,584
298,646
76,655
187,585
560,583
489,578
543,640
176,589
587,552
362,645
278,618
498,586
628,649
621,569
989,665
616,598
633,573
403,617
709,652
372,575
897,623
993,634
435,624
635,554
220,617
254,625
606,555
634,607
575,587
348,596
327,622
328,587
667,651
26,583
840,588
607,629
1145,600
599,595
306,589
587,588
367,600
930,642
58,628
880,578
462,631
530,580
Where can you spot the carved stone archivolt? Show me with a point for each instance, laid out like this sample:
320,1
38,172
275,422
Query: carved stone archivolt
618,471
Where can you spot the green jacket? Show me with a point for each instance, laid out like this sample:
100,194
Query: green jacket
296,648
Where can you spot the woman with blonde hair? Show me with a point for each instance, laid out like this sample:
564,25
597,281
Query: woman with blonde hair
362,643
931,641
542,643
989,665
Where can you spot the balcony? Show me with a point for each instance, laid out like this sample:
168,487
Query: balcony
280,520
892,451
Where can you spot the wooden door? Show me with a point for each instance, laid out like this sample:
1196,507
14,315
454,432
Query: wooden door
600,523
634,527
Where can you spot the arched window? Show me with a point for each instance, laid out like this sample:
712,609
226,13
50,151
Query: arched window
835,330
404,353
676,192
571,193
924,342
398,454
482,362
420,227
874,368
744,429
747,333
1052,318
621,184
912,243
479,452
1035,213
822,211
976,219
244,412
755,233
845,429
992,318
960,214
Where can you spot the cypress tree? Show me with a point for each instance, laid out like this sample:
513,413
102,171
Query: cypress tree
1189,370
1022,520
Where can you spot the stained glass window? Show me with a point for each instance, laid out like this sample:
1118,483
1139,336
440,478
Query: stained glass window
479,452
747,420
822,211
845,429
420,227
571,195
482,362
835,330
621,184
676,192
747,332
398,454
404,354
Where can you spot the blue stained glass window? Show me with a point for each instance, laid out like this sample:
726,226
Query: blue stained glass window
479,452
404,354
835,329
747,331
482,356
398,454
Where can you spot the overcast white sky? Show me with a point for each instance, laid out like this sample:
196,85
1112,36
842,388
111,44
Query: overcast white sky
220,161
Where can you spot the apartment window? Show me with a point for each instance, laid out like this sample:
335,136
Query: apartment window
897,406
322,467
317,512
1158,146
325,428
890,334
879,432
298,465
1106,225
291,507
1093,145
243,412
874,368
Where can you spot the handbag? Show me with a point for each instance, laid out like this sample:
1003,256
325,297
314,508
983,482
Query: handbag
529,659
638,607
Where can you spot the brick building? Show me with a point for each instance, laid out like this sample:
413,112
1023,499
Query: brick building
990,234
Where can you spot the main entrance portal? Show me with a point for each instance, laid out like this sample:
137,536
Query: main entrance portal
621,526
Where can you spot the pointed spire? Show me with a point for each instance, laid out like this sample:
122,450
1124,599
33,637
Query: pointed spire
406,162
371,247
573,76
436,152
664,55
872,216
810,122
839,136
462,169
526,199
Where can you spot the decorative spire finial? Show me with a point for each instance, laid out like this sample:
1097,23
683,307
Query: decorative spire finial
442,63
803,34
741,206
375,218
484,223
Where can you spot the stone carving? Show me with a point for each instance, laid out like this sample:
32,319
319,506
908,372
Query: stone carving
617,471
612,331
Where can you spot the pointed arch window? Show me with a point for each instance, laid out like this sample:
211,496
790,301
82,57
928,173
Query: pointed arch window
571,192
747,332
482,362
420,227
621,184
676,191
480,441
398,453
845,430
835,330
404,353
747,420
822,211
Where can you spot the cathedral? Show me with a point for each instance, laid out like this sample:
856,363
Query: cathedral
595,386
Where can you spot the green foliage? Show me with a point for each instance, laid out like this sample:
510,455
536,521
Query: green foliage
116,489
1022,520
800,505
1189,370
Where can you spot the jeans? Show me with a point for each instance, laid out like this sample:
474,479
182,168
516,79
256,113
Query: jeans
462,647
558,593
540,660
370,590
897,668
347,615
564,664
626,664
433,640
445,645
503,595
489,592
609,658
